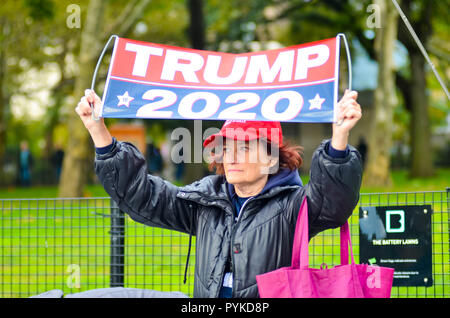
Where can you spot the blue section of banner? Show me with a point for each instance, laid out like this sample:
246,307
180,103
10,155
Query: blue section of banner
312,103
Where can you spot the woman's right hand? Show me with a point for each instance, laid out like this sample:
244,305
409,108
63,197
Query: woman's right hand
97,129
84,110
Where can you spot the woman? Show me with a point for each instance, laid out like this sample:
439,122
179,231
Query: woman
244,216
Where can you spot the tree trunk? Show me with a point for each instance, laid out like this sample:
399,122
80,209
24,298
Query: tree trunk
3,100
380,139
79,153
414,88
197,36
197,27
421,152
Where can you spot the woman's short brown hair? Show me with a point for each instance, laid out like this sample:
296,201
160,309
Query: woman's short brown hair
289,157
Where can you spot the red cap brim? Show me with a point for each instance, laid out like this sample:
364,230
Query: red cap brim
210,141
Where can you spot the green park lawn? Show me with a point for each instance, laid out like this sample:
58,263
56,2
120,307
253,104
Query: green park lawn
401,183
48,244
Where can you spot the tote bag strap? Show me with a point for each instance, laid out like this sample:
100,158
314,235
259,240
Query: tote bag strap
346,243
300,254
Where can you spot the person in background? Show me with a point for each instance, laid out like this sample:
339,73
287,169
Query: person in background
362,148
57,160
25,164
154,159
179,169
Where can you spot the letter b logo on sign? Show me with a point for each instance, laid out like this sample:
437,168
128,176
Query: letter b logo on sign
395,221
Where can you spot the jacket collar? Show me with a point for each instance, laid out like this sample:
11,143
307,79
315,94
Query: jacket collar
282,180
214,189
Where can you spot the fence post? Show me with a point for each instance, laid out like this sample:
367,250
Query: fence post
448,203
117,257
448,196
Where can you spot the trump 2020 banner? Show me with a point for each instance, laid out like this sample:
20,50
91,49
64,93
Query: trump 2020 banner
292,84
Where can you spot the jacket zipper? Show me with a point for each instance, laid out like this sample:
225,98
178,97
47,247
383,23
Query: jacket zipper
223,272
231,245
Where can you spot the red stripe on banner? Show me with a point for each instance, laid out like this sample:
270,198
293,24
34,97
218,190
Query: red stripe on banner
169,65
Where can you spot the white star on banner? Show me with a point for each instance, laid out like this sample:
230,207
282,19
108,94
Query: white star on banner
316,102
125,99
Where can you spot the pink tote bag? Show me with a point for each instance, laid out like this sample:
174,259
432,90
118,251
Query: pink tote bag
342,281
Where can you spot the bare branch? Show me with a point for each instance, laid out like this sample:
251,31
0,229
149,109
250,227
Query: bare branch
127,19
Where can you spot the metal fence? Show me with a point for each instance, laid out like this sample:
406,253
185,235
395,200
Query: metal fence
86,243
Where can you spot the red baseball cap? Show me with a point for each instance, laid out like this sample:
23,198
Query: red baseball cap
248,130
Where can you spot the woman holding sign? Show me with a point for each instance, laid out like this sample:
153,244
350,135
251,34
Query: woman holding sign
244,216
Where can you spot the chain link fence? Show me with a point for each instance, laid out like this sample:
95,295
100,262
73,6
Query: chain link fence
86,243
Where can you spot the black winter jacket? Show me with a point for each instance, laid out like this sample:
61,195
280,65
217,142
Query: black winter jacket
264,230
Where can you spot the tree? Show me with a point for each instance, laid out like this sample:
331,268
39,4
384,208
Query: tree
197,24
414,88
78,156
197,39
74,172
380,138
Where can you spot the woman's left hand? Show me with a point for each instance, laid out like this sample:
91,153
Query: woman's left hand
348,114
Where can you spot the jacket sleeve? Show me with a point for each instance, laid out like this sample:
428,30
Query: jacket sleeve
333,189
145,198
